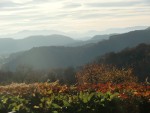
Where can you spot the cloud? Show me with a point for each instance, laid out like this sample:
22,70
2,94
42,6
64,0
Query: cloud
80,15
21,1
5,4
72,5
113,4
146,1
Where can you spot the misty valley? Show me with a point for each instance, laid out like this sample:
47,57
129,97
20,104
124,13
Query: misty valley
58,52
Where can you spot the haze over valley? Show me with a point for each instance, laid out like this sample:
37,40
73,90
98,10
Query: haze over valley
58,51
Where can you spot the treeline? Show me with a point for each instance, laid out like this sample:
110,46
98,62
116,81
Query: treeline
88,74
26,74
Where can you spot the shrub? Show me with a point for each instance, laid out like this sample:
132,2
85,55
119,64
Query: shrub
99,73
87,98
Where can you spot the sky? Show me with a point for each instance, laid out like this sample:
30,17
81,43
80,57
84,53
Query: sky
72,15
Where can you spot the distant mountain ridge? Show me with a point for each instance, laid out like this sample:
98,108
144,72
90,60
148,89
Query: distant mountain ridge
74,34
57,57
94,39
37,38
8,45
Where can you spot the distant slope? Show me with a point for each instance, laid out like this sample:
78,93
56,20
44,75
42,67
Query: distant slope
8,45
94,39
73,34
100,37
137,58
51,40
50,57
28,33
123,30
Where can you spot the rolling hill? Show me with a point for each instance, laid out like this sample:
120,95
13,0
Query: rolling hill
56,57
8,45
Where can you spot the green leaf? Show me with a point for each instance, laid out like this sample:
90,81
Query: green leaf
56,105
4,100
36,107
66,104
55,111
90,96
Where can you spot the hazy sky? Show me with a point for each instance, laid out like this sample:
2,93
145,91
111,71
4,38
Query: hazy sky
72,15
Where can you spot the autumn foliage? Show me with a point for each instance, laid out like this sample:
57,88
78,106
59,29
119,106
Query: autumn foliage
100,89
98,73
87,98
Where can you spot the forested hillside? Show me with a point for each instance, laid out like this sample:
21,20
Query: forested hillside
137,58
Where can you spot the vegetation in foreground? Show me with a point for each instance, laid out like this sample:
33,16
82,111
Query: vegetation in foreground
85,98
99,89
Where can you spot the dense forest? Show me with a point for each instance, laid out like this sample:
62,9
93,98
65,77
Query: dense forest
137,58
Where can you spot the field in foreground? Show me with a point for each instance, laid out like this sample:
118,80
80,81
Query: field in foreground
89,98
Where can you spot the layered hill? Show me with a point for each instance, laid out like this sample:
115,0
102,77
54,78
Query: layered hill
57,57
8,45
